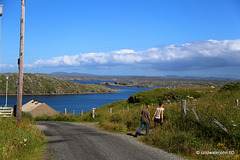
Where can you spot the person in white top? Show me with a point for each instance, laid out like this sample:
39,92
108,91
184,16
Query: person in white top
158,115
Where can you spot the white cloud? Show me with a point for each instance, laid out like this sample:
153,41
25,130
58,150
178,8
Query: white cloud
191,55
123,51
7,66
235,45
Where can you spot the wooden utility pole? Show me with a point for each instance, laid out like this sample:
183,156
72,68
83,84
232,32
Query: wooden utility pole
20,65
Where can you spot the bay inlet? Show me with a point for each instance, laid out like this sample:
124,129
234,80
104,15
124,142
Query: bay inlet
78,102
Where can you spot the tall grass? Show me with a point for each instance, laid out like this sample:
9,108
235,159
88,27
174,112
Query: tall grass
19,142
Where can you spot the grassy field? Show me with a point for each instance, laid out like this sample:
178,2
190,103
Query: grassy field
22,142
180,134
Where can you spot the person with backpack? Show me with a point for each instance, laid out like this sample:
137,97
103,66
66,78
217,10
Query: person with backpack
145,120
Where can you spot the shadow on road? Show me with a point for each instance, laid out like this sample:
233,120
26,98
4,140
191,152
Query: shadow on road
133,135
57,141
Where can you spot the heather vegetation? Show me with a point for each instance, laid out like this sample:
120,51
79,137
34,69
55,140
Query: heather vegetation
180,134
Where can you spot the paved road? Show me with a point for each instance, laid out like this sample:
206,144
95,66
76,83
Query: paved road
82,141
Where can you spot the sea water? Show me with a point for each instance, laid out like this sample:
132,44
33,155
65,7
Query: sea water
77,102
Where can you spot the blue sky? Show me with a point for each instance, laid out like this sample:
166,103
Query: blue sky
127,37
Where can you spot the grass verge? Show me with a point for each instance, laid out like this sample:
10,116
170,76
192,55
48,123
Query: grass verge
20,142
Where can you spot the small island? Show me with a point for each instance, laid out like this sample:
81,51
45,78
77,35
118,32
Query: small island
40,85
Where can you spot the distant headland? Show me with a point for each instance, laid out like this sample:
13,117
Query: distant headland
41,85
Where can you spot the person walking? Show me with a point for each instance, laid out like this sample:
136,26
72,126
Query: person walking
145,120
158,115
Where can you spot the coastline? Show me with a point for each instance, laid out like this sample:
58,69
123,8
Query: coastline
48,94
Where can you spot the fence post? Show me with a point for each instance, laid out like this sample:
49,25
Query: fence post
184,103
93,112
110,110
220,125
65,111
82,113
237,102
195,114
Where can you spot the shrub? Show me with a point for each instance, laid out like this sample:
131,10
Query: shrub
231,87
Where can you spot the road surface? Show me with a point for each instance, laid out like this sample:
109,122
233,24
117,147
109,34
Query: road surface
83,141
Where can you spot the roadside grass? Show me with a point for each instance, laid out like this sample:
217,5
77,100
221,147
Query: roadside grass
22,142
67,118
180,134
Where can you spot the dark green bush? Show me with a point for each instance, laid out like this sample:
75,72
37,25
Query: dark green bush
231,87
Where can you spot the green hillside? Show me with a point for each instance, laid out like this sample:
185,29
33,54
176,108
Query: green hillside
180,134
39,85
183,134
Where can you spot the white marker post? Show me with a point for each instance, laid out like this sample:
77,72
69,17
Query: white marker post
93,112
65,111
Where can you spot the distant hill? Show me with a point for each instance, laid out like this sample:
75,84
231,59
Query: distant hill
81,76
202,78
40,85
172,81
85,76
71,74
